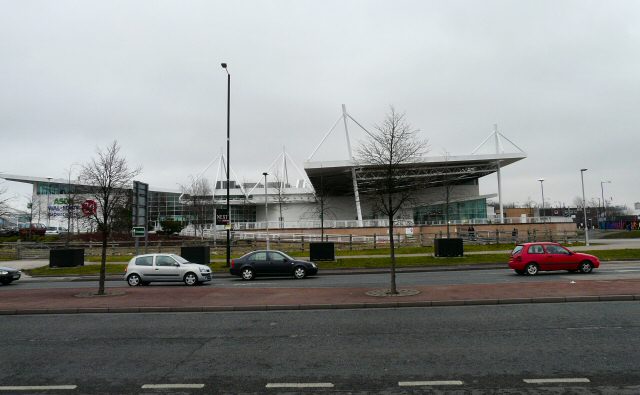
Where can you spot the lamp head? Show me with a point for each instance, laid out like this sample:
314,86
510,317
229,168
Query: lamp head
540,179
265,174
224,65
584,169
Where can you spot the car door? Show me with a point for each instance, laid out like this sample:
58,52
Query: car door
279,263
144,267
556,257
166,269
260,263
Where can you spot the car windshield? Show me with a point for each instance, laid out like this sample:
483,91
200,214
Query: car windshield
179,259
516,250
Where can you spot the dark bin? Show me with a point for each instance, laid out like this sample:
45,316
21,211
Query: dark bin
448,247
323,251
67,257
201,254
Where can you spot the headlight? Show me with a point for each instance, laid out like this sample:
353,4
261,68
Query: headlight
314,265
4,272
204,270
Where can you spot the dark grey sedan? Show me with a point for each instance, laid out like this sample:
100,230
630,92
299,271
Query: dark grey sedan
271,263
7,275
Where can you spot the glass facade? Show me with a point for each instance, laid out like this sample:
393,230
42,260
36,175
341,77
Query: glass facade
458,211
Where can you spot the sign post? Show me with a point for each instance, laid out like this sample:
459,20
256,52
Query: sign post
139,217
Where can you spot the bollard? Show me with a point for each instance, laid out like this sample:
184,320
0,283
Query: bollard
374,241
350,242
302,243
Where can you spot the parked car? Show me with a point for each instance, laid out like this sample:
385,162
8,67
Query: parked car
271,263
530,258
5,232
7,275
147,268
36,229
55,230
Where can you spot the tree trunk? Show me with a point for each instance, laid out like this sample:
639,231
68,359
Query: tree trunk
103,263
392,288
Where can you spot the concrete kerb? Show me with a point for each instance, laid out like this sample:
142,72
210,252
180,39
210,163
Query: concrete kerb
342,306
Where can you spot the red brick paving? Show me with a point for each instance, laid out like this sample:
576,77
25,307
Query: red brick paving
210,296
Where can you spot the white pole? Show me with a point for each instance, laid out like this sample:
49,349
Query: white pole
353,169
495,132
584,209
266,216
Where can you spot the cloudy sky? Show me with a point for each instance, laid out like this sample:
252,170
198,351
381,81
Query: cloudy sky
560,78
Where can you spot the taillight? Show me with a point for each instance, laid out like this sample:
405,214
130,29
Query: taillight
233,264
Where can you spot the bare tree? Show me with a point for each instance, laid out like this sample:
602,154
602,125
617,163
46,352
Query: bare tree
198,196
281,197
384,157
33,207
323,209
72,208
109,180
4,201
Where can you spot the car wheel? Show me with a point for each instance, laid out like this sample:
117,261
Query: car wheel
190,279
586,267
520,272
247,273
299,272
531,269
6,282
134,280
145,283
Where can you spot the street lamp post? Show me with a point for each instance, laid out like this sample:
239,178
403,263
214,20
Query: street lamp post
266,216
48,194
584,209
604,203
542,190
224,66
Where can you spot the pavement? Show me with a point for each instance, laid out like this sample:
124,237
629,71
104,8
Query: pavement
208,298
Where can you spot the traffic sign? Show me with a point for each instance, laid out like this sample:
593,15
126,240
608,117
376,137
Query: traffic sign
138,231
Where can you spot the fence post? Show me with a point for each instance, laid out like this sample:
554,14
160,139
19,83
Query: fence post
374,241
18,246
497,236
302,243
565,237
159,246
535,235
350,242
421,245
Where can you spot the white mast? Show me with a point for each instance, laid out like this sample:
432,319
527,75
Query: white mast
353,169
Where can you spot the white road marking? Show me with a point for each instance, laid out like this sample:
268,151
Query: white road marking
248,283
172,386
299,385
423,383
557,380
37,387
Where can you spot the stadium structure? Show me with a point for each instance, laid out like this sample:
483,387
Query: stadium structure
342,187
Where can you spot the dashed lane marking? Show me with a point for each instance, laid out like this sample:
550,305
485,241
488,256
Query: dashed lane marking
557,380
427,383
37,387
172,386
299,385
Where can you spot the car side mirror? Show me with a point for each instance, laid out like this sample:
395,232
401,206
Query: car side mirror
176,264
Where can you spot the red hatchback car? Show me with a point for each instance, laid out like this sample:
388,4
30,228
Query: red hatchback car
530,258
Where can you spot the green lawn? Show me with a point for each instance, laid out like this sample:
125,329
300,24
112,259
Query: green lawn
634,234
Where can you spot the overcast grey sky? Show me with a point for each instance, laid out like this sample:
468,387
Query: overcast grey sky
560,78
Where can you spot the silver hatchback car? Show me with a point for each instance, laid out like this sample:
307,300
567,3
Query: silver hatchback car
143,269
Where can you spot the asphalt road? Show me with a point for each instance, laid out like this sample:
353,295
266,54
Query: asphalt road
607,271
472,349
